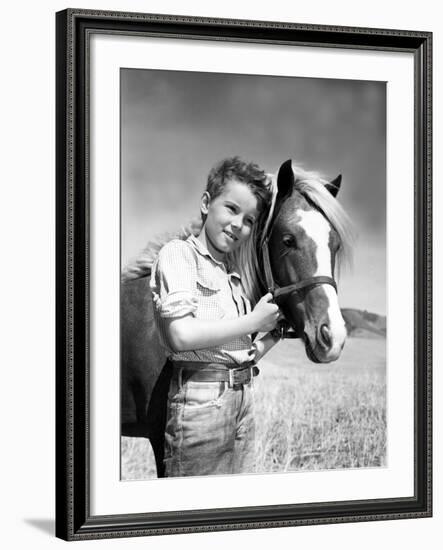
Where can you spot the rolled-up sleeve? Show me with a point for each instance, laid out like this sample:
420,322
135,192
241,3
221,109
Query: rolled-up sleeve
173,280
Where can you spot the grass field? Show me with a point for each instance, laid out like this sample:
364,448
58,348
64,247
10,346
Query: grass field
309,417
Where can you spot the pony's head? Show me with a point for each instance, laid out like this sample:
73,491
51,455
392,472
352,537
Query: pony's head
309,237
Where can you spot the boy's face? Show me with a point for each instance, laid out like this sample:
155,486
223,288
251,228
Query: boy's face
229,218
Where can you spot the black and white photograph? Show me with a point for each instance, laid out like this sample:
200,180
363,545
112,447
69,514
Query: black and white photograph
244,314
220,234
253,316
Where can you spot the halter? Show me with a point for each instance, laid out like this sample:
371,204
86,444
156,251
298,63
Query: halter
281,293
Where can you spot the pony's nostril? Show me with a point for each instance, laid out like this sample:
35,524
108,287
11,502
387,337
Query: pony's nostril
326,335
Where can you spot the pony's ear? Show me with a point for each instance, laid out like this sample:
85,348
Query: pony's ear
334,186
285,180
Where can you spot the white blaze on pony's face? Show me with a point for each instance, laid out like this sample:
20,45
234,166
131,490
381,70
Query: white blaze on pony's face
332,330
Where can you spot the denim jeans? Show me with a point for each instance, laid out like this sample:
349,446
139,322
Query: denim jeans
210,429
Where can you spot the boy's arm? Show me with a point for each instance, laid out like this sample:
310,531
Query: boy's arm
188,333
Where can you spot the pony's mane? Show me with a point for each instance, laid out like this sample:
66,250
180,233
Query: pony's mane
141,265
246,258
312,186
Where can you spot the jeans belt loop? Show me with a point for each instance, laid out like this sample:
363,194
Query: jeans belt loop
180,378
231,378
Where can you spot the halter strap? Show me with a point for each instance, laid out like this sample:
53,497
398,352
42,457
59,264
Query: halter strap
270,284
284,291
303,285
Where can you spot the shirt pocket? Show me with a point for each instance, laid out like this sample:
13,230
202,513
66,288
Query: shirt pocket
209,302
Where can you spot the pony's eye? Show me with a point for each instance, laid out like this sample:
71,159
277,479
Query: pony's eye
289,241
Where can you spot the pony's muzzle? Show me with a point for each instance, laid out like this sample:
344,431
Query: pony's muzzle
329,342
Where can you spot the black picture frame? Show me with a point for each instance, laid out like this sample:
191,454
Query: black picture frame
74,27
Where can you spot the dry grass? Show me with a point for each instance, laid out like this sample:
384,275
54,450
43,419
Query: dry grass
137,459
309,417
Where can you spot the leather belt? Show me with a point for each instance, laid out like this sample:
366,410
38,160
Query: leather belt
236,376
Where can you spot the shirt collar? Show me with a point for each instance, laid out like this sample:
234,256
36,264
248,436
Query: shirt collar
203,251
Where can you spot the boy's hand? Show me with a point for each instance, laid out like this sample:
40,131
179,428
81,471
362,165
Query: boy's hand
266,314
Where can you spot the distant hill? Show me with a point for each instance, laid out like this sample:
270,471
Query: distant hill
364,324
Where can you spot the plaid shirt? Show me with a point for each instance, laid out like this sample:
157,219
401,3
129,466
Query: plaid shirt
187,279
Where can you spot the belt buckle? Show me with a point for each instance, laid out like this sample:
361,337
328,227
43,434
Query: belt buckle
238,377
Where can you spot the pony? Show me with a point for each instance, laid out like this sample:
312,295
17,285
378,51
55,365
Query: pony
304,240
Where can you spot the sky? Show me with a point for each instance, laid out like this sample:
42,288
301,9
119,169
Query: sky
176,125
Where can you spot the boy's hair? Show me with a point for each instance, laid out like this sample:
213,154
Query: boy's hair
249,173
